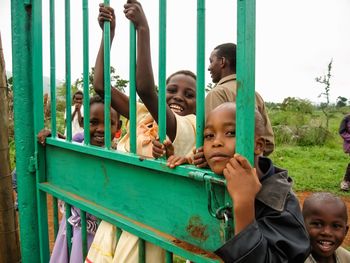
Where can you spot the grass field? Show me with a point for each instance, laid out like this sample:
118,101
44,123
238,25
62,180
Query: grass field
316,168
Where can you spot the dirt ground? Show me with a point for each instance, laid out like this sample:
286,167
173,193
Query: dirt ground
301,196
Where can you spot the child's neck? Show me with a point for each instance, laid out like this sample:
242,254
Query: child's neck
321,259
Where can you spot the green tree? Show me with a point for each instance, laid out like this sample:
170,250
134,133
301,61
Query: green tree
325,80
116,81
341,102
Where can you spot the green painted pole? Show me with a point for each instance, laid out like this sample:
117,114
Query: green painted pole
132,89
68,72
53,69
142,250
38,109
245,78
200,72
107,79
83,233
162,71
86,71
24,129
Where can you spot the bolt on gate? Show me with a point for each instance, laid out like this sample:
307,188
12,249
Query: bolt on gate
180,210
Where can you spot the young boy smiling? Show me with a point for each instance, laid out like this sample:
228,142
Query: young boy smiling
268,221
326,221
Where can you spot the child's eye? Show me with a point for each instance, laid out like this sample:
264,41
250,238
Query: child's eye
171,89
189,95
316,224
93,122
337,226
208,136
231,133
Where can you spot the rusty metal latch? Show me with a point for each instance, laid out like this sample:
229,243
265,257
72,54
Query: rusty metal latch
220,212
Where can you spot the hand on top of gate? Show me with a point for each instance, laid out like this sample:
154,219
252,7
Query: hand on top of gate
174,161
106,13
42,136
134,12
199,159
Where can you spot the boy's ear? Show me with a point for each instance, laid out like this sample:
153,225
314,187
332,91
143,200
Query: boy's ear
346,229
259,146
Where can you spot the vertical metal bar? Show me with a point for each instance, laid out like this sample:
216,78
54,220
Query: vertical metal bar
162,71
38,110
68,228
245,78
107,79
119,233
83,233
53,69
55,216
132,93
168,257
68,73
200,72
86,71
22,68
142,251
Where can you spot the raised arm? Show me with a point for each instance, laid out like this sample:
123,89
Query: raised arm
119,101
144,72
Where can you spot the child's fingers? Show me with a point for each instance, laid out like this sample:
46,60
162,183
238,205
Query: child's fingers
242,161
202,165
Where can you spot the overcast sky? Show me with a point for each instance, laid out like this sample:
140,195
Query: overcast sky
295,41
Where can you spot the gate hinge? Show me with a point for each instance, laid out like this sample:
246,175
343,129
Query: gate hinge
33,164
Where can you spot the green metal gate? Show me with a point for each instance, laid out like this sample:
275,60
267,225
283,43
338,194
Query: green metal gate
174,208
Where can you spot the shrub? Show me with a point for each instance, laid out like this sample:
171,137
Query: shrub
312,136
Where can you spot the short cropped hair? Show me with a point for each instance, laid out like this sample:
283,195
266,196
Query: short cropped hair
228,51
182,72
96,99
322,197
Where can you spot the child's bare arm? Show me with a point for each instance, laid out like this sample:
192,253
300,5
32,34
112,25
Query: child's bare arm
119,101
243,185
144,72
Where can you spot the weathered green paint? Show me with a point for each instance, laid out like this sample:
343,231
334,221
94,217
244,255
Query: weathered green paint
68,72
85,6
245,78
162,71
182,198
200,71
21,17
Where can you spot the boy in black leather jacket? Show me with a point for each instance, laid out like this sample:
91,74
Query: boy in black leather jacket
269,225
